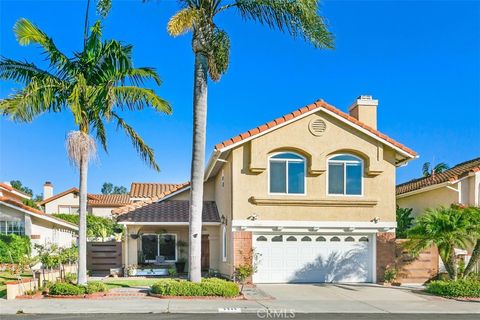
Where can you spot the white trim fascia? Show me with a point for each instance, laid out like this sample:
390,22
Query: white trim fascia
127,223
286,224
211,163
40,216
278,126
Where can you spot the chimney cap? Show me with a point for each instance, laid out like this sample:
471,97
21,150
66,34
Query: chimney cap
48,183
364,100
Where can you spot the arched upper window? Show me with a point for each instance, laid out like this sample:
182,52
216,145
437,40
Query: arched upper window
345,174
287,173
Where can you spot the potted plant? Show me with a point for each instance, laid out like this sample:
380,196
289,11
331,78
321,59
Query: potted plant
180,264
390,276
131,270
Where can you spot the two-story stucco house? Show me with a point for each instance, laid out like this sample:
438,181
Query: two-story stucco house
311,193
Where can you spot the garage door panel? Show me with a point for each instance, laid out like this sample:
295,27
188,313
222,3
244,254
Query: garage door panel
314,261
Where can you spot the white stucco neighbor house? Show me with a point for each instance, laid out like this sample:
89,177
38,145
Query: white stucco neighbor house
18,218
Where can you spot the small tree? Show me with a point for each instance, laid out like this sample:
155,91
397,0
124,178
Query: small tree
248,268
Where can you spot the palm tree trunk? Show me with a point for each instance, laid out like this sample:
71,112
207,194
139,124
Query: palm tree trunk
197,166
473,260
452,263
82,230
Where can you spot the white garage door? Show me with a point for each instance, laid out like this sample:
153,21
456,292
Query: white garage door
313,258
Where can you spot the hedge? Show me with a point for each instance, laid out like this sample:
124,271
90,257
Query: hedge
65,289
14,247
69,289
460,288
207,287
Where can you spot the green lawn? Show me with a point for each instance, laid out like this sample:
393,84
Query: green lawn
7,276
129,283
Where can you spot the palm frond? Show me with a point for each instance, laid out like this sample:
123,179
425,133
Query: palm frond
103,7
182,22
136,98
34,99
22,72
300,18
145,152
27,33
441,167
139,75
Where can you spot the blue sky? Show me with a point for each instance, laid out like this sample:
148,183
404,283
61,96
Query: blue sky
420,59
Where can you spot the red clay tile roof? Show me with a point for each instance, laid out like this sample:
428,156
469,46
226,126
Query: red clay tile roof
151,190
33,210
452,174
297,113
170,211
135,205
111,200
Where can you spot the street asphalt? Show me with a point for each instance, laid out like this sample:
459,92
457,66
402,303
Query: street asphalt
301,316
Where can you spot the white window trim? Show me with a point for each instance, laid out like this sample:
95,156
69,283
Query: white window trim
5,223
345,175
158,244
224,243
286,185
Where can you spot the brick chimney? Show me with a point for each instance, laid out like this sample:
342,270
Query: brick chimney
47,190
364,109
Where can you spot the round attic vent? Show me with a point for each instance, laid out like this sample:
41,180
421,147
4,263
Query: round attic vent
317,127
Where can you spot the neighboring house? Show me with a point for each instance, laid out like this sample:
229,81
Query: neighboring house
18,218
67,202
101,204
311,193
459,184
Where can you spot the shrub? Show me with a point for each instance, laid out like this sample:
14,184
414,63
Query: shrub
70,277
13,247
95,286
390,274
65,289
207,287
459,288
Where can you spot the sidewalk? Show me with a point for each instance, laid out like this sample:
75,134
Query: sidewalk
154,305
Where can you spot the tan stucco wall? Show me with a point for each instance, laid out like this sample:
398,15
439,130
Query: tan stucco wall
101,212
67,200
379,175
429,199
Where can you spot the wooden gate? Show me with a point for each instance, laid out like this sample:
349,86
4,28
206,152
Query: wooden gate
103,256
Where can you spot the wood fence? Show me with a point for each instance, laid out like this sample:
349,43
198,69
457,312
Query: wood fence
103,256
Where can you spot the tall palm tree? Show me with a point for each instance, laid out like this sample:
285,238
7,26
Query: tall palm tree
446,228
93,86
404,221
439,168
211,47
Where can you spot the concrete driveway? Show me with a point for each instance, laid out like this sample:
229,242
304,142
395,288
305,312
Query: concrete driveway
360,298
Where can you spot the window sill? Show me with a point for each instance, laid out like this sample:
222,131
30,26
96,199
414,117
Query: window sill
313,202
